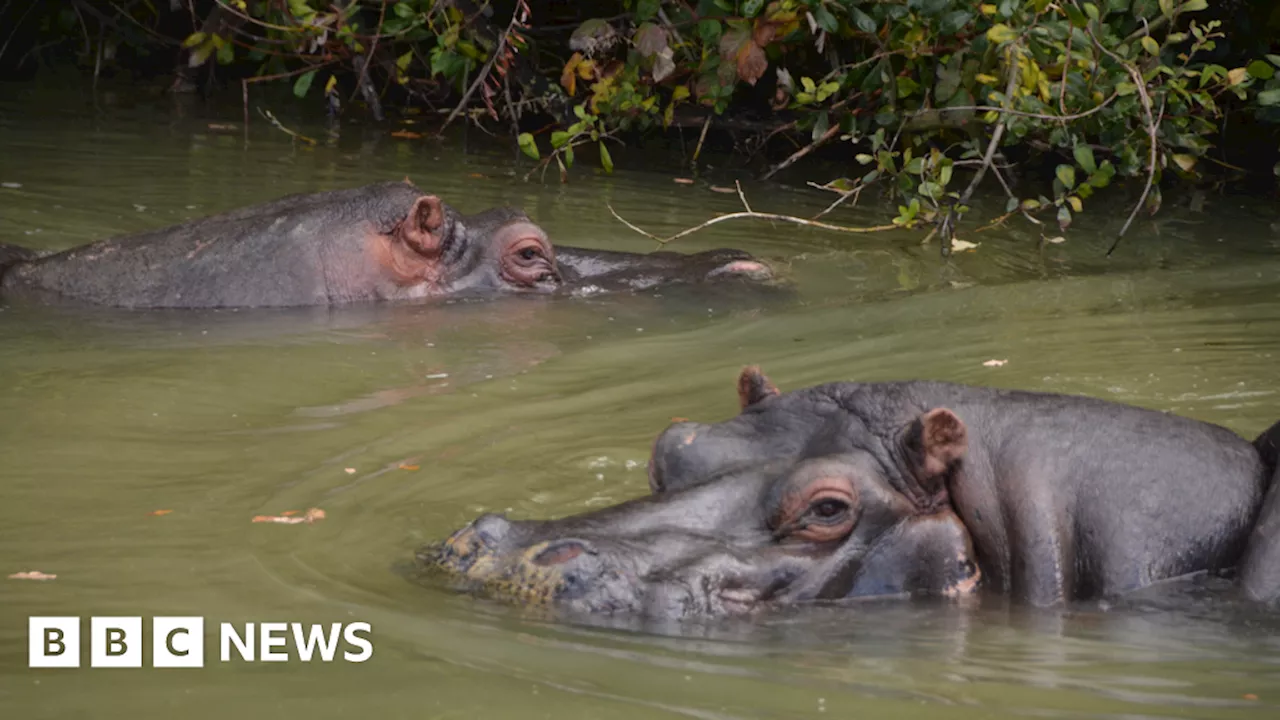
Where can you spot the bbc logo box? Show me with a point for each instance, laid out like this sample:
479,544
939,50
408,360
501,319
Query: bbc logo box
179,642
115,642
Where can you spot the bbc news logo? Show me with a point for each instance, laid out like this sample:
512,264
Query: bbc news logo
178,642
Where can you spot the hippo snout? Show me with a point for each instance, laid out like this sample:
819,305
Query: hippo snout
726,264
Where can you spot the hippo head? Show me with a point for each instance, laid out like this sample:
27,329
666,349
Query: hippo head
795,500
435,250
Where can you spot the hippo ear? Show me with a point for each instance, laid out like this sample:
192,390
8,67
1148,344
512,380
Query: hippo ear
753,387
422,228
938,441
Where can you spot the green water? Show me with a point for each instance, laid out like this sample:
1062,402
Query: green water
542,408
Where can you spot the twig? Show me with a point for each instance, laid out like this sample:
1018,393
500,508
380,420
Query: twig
662,15
280,126
748,213
698,150
996,134
1151,133
795,156
1020,113
741,196
364,66
844,195
17,25
518,16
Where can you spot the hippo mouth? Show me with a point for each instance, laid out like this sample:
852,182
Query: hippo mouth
600,577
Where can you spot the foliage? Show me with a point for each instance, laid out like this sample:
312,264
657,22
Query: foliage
917,89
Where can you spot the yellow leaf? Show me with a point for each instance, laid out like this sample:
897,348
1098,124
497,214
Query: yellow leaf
1150,45
987,9
329,86
1000,33
1237,76
985,79
1075,203
1185,162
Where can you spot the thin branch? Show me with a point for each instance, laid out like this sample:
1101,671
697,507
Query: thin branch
1151,133
748,213
741,196
996,135
701,138
1020,113
795,156
518,16
280,126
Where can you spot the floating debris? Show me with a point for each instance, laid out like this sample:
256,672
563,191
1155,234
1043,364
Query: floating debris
292,517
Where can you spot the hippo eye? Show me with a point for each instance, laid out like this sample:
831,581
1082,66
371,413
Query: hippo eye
530,253
829,509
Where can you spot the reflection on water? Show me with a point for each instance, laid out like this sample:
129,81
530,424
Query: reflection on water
404,422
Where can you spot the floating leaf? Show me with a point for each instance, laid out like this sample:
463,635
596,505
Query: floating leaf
1058,240
158,513
311,516
32,575
958,245
995,363
682,181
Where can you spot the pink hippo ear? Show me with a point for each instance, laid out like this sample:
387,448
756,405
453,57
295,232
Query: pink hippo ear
754,387
939,441
422,228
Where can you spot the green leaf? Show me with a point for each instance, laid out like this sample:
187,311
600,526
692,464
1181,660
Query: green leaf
825,19
1066,175
1150,45
1126,88
1064,217
751,8
808,85
404,10
944,175
1076,17
193,40
1269,97
710,32
1166,8
303,83
862,20
403,61
1011,205
1084,158
226,54
954,21
606,160
1275,59
1261,70
646,9
528,146
863,158
1091,10
568,157
559,138
1194,5
915,166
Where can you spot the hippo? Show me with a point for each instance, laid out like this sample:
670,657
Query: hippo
382,242
903,489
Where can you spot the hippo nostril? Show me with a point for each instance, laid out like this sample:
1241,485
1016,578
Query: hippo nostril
562,552
491,528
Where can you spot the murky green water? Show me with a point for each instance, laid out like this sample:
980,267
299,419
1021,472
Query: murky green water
542,408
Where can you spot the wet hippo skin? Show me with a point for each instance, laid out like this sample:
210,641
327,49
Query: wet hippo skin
382,242
911,488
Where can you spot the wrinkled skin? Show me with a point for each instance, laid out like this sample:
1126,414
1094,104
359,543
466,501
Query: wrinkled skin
869,489
382,242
